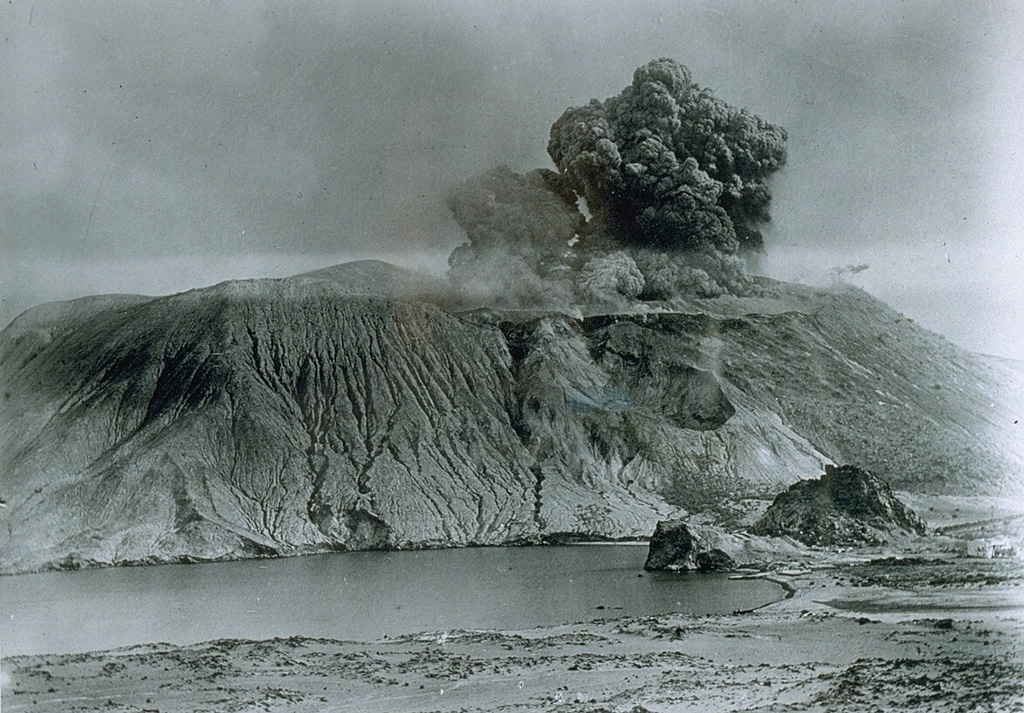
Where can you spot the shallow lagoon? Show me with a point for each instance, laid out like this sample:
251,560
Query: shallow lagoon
358,596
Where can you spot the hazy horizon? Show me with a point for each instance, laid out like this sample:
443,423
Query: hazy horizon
156,148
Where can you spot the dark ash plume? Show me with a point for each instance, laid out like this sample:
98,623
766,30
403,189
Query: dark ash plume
676,181
668,165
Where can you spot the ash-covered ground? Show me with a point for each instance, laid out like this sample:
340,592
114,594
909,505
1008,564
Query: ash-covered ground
917,627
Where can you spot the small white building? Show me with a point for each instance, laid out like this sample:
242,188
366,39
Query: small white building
991,549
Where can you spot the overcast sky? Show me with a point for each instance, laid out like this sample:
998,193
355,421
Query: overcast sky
154,147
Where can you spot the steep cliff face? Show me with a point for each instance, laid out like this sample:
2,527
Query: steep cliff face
346,410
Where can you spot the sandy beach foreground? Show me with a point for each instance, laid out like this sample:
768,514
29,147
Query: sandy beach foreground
914,634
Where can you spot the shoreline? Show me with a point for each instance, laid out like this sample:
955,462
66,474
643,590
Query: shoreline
84,566
789,590
925,644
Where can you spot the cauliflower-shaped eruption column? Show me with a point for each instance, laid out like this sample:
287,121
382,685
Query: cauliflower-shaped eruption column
664,164
676,183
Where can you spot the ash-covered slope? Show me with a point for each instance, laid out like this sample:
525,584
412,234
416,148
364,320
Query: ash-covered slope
307,414
267,416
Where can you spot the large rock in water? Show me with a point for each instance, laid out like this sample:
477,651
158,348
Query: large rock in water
846,506
674,547
350,409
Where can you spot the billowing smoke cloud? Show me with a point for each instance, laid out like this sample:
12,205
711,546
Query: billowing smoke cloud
667,275
520,231
609,279
676,181
666,164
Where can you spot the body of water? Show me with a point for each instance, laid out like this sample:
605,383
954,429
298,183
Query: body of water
358,596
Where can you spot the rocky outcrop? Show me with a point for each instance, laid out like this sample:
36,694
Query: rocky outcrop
715,560
677,547
846,506
673,547
352,408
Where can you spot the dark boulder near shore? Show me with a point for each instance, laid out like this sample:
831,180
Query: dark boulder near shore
675,548
672,546
845,506
715,560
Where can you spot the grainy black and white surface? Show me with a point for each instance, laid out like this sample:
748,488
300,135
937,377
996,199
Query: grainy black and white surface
787,244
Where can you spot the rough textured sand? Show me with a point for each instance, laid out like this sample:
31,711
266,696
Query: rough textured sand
939,634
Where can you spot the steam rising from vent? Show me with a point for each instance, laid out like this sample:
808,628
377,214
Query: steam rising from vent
677,185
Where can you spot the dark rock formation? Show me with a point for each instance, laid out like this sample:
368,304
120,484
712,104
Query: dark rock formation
672,547
846,506
715,560
675,547
352,409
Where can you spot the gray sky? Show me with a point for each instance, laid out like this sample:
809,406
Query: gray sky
154,147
